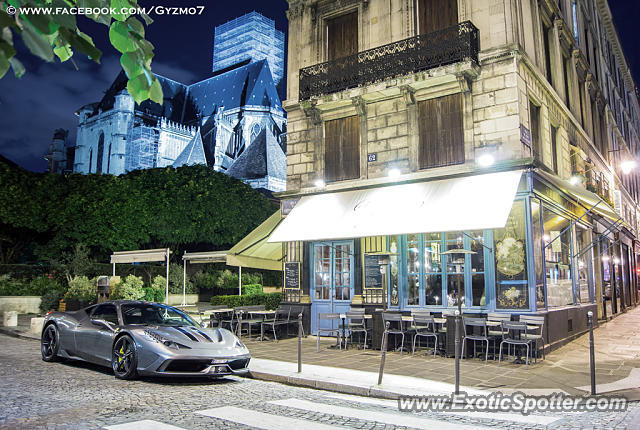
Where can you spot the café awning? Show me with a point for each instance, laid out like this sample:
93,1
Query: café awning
465,203
586,198
205,257
255,251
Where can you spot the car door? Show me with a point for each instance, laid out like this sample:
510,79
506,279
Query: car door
93,341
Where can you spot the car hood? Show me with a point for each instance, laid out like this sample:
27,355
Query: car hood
195,337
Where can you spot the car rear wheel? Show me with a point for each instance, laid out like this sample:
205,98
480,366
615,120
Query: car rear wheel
50,343
124,360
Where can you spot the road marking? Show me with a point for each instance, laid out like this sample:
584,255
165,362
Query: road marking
143,425
262,420
398,419
504,416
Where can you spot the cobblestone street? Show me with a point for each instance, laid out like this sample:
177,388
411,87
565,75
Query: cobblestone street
73,395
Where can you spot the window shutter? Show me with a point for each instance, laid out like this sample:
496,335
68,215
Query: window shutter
342,36
434,15
342,149
441,131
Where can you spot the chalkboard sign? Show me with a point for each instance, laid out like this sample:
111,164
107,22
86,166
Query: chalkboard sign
372,275
292,275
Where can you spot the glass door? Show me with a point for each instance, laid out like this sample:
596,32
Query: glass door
332,288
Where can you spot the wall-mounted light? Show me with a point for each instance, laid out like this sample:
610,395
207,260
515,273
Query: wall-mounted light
393,173
486,160
575,180
319,183
627,166
485,155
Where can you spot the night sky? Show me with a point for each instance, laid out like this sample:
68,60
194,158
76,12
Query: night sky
32,107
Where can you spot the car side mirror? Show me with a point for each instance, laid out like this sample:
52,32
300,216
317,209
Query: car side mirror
102,323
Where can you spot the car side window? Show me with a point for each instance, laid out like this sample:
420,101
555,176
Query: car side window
106,312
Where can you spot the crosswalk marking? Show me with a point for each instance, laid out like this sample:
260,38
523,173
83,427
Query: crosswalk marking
399,419
262,420
504,416
143,425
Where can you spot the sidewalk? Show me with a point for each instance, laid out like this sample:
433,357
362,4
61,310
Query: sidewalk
355,371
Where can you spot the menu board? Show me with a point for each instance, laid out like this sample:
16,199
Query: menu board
292,275
372,275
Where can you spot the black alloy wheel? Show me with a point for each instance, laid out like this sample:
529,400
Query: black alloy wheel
124,360
50,343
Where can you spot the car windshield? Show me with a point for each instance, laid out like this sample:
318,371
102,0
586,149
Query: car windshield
154,314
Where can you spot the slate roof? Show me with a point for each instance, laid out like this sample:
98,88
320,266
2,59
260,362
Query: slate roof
263,157
192,154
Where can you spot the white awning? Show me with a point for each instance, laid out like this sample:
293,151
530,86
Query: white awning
587,198
140,256
466,203
205,257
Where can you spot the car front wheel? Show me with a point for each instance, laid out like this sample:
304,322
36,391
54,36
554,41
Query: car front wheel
50,343
124,360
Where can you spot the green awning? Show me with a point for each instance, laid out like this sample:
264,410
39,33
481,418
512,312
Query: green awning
254,250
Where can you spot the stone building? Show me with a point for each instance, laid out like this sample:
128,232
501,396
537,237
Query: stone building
214,121
460,151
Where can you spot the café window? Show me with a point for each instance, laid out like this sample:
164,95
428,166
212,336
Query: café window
536,225
511,261
342,149
557,258
584,264
433,15
342,36
440,129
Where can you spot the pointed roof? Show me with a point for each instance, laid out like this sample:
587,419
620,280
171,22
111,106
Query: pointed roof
263,157
192,154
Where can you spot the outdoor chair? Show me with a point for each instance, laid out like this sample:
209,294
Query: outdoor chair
249,320
333,316
214,318
495,333
293,318
475,337
280,318
424,326
231,320
512,335
396,326
535,338
357,324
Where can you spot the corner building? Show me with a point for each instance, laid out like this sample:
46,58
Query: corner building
503,132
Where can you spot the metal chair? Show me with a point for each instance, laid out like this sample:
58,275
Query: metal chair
332,316
534,338
425,326
215,319
249,320
396,326
233,320
496,334
511,335
357,324
280,318
482,337
293,317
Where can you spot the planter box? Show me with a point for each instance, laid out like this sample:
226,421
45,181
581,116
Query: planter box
20,304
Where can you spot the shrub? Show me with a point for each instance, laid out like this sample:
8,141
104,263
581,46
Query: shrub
176,279
227,280
82,289
270,300
130,288
10,286
50,300
44,284
158,287
251,289
250,278
204,280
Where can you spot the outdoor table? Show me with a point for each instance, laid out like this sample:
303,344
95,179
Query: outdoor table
264,315
210,312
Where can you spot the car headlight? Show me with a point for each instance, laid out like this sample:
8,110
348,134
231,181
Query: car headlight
166,342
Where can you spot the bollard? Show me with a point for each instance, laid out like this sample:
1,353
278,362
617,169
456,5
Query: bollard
457,352
300,330
384,352
239,324
592,355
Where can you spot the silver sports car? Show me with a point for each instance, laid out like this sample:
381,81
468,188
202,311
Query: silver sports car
142,338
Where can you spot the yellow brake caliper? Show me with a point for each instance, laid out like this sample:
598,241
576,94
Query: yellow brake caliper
121,354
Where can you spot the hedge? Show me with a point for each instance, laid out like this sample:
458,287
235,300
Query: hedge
270,301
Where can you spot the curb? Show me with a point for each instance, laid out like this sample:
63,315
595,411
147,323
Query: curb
325,386
18,334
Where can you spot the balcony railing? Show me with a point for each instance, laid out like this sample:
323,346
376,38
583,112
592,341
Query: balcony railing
426,51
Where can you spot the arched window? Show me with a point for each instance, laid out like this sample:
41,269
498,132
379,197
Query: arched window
109,160
90,159
100,153
255,130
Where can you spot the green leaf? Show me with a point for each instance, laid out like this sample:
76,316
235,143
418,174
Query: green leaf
147,19
63,52
138,88
146,47
4,64
43,23
82,43
18,68
118,5
64,19
9,50
130,64
37,43
6,20
120,38
136,26
155,92
96,4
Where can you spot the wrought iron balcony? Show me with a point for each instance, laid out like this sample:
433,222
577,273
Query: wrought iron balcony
426,51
